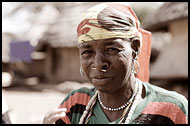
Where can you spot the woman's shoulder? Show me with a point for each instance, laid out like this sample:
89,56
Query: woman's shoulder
166,97
79,94
83,90
75,102
161,92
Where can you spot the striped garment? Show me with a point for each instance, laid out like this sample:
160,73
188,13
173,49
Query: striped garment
159,106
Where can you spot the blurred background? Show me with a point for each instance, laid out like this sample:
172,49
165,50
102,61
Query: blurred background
40,60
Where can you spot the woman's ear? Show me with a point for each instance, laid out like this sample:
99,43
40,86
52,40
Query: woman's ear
135,45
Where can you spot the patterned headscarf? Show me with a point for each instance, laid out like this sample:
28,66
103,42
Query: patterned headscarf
109,20
115,20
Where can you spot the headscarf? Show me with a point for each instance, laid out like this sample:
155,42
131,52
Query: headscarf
113,20
108,20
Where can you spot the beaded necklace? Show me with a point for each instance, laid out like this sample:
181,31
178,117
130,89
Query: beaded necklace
88,107
115,109
137,99
125,118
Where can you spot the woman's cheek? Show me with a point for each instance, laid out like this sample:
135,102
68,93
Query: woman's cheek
125,57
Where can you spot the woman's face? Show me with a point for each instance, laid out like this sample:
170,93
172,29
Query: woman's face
112,55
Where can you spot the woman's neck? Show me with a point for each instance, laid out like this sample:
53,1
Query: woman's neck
119,97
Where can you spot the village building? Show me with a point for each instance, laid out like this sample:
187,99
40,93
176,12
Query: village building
169,27
59,44
169,55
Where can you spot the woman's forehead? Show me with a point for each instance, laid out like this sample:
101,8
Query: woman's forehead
104,42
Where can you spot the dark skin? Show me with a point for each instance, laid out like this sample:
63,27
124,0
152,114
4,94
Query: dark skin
116,85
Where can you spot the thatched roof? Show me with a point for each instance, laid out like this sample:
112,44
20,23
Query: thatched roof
63,33
168,12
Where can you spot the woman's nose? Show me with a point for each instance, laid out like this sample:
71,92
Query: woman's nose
99,62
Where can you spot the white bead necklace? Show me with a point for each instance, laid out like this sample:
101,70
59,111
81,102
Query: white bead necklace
90,104
137,99
115,109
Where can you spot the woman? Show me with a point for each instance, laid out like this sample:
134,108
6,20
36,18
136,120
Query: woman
109,43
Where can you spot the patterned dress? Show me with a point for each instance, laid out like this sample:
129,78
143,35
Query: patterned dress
159,106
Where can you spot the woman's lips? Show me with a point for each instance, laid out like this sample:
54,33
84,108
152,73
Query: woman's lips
101,80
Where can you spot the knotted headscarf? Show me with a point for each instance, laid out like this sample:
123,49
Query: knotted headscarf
108,20
114,20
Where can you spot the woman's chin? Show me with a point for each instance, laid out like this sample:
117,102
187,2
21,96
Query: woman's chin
104,88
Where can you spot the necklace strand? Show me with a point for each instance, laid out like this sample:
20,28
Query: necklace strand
90,105
137,99
115,109
135,103
128,107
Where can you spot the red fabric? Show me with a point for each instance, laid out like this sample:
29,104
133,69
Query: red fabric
168,110
77,98
144,56
125,9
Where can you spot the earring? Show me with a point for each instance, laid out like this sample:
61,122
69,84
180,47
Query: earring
135,65
135,53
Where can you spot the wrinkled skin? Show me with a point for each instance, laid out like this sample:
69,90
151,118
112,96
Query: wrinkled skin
114,55
117,83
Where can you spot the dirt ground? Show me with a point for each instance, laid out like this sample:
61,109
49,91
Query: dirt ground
29,104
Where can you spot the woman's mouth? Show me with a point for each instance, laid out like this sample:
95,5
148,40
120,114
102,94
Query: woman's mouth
101,80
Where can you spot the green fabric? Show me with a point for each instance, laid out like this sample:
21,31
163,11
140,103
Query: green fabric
153,94
100,116
157,94
81,90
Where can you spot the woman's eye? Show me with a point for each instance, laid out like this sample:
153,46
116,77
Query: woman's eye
86,53
113,50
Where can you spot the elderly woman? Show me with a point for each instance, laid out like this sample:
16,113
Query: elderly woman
109,43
